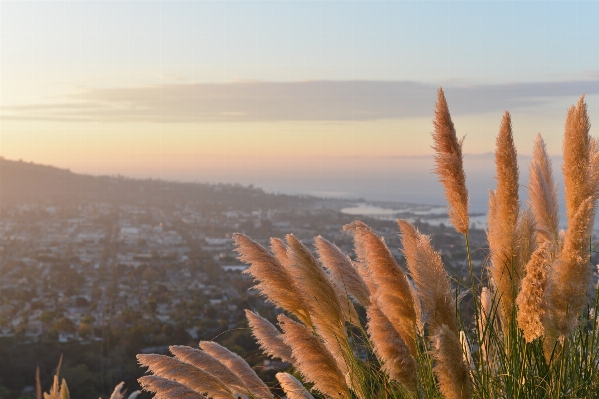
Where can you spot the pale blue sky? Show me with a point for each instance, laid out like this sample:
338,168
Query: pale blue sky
136,87
202,41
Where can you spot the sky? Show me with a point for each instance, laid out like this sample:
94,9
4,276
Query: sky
283,94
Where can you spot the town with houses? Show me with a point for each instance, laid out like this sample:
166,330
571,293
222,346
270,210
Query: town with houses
70,271
109,267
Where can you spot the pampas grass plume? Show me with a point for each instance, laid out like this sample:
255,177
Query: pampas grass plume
504,208
207,363
238,366
292,387
185,374
393,293
270,339
449,165
571,273
532,306
451,371
542,193
167,389
433,289
391,349
313,360
342,270
275,282
576,149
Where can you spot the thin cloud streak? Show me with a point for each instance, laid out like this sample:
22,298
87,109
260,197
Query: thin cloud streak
256,101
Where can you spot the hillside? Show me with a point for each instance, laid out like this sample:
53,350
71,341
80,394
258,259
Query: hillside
22,182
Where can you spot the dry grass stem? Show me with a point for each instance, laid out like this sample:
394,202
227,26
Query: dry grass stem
238,366
449,165
270,339
466,352
313,360
393,294
292,387
391,349
451,371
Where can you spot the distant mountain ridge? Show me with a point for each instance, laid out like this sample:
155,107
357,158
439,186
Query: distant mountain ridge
25,182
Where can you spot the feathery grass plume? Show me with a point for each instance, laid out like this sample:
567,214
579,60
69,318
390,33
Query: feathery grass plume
532,307
326,311
451,371
209,364
417,308
238,366
316,286
449,161
576,148
393,292
343,272
54,392
503,221
391,349
64,390
270,339
280,250
433,289
347,307
313,360
118,392
186,374
571,273
274,281
542,193
525,240
292,387
167,389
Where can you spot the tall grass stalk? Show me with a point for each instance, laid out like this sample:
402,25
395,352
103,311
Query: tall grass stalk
530,332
